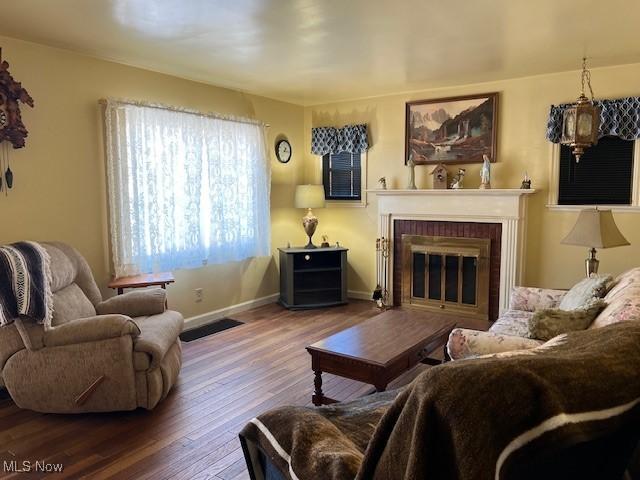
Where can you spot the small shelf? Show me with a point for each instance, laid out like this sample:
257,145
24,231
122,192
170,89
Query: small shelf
317,269
315,290
330,303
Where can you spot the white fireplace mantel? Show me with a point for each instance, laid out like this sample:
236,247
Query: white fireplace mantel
505,206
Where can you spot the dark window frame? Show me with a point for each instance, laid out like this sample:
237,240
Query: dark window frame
354,171
604,175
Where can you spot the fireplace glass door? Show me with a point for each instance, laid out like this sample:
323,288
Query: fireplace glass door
447,274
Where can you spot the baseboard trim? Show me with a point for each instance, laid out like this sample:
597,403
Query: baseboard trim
359,295
209,317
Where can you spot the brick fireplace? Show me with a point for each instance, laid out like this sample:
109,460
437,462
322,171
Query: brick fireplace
497,215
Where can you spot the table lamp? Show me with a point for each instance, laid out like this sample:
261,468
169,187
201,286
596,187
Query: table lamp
595,229
309,196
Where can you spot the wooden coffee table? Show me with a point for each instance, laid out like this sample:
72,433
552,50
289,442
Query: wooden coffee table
379,349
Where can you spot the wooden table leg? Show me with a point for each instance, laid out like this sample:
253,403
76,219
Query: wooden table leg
381,387
318,396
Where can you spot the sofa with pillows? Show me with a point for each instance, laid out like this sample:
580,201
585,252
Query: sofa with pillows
536,315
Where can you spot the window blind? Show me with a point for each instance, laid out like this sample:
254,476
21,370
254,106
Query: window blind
602,177
342,176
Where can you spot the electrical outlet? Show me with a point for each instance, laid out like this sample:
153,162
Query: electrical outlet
199,295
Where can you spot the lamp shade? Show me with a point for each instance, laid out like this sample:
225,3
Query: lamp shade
309,196
596,229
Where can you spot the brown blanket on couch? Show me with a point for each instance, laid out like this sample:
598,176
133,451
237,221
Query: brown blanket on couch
469,419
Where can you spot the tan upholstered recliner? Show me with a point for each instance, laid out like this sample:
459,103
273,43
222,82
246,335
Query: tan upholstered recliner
117,354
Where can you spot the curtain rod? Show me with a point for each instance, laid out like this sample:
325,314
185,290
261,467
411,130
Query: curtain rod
160,106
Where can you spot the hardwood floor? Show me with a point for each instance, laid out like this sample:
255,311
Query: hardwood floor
226,380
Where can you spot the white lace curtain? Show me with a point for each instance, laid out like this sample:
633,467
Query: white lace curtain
185,189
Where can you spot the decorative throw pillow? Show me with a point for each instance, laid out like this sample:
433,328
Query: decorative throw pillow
584,291
548,323
619,310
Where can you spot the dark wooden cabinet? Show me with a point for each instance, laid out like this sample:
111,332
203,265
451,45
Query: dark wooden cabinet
313,278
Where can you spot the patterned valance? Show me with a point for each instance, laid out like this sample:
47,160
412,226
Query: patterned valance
350,138
618,118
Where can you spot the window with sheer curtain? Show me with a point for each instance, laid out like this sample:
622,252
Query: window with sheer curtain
185,189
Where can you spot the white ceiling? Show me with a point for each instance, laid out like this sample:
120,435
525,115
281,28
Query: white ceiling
315,51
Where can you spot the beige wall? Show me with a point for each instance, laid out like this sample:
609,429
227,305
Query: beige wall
60,192
523,108
60,181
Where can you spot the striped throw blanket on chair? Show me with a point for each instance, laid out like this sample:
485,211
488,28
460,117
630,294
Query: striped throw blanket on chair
25,283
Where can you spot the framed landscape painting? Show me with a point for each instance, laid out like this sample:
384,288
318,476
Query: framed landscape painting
452,130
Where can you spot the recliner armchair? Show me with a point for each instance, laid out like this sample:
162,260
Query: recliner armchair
117,354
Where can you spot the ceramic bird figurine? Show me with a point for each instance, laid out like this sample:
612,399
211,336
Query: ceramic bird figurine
458,179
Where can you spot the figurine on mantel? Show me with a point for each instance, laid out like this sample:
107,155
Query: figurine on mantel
526,182
458,179
412,173
485,173
383,183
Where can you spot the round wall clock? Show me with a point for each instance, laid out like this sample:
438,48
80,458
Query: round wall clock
283,151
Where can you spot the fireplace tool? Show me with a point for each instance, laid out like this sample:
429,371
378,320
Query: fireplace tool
381,293
377,292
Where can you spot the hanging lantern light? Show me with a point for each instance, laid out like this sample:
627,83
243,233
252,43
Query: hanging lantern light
581,121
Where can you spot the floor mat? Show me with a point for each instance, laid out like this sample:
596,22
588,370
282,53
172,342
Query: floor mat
209,329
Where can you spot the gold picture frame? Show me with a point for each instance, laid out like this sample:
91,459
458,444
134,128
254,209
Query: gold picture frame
452,130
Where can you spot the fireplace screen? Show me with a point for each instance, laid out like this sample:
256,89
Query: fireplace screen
446,273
